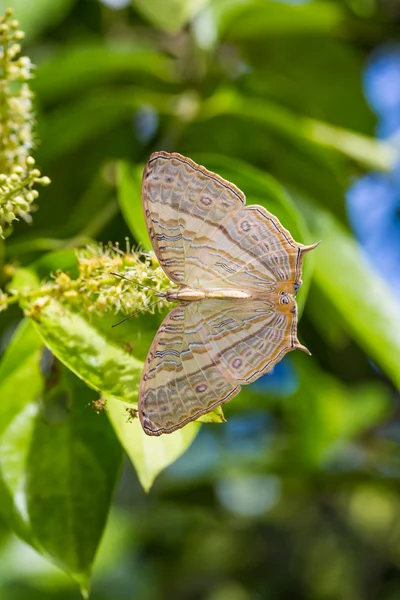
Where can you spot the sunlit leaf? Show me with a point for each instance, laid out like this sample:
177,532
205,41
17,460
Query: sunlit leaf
55,483
100,362
149,455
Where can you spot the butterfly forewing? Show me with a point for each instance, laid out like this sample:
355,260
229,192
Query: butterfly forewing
205,237
182,203
250,251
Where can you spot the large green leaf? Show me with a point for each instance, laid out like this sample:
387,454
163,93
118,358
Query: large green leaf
369,309
115,372
56,481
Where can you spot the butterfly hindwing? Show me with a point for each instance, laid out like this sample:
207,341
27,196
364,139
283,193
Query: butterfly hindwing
248,338
179,381
202,353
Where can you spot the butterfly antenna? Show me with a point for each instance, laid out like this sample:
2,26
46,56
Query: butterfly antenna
137,312
146,287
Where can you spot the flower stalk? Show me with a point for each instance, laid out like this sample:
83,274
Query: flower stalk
96,291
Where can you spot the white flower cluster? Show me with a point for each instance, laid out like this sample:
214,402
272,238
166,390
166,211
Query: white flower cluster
17,173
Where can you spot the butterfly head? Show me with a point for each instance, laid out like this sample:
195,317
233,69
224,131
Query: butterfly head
286,302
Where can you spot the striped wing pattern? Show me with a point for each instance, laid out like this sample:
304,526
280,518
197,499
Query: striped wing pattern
182,203
204,236
248,251
179,381
201,355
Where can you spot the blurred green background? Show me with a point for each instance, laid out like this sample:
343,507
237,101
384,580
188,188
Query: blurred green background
298,494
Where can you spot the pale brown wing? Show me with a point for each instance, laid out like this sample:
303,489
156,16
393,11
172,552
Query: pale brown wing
204,236
203,351
248,338
182,200
251,251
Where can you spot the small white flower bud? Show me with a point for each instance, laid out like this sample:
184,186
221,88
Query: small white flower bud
23,205
25,62
9,217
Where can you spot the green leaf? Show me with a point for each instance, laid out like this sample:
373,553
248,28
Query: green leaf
368,307
106,365
325,413
82,68
299,129
240,19
100,361
129,181
275,76
21,384
170,15
35,16
56,481
149,455
68,127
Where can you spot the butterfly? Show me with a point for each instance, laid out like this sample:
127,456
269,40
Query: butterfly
237,271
